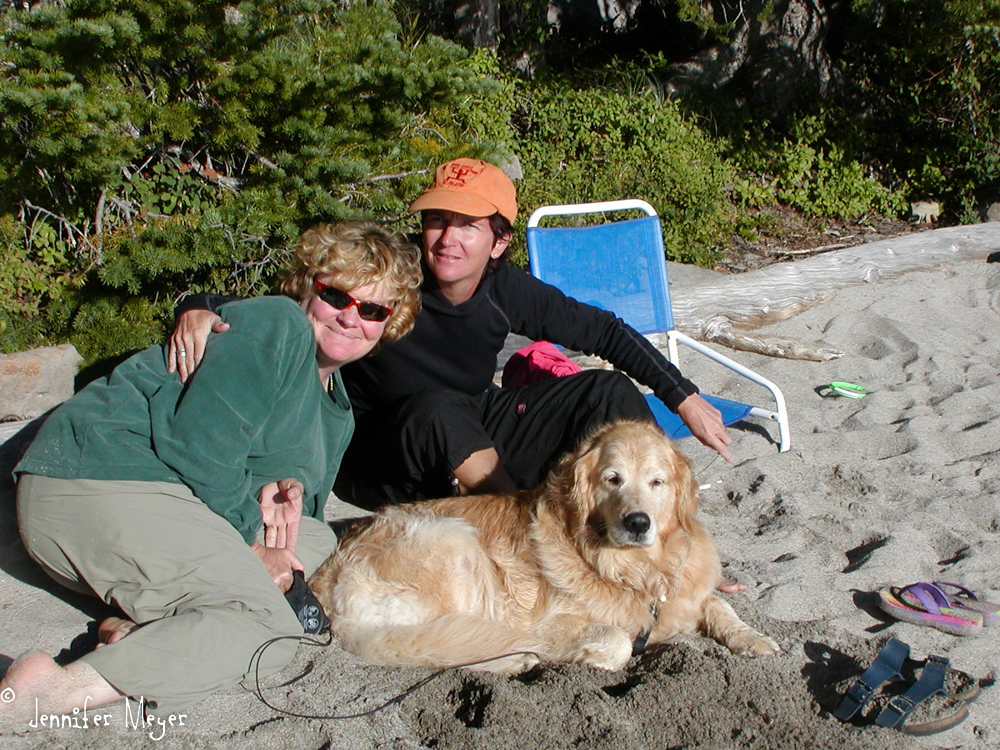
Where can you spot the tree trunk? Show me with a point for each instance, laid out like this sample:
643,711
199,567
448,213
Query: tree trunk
477,22
775,51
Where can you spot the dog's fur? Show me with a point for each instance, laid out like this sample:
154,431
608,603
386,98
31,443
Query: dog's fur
607,549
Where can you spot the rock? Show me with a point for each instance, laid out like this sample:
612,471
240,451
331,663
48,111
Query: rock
511,166
925,212
992,212
33,382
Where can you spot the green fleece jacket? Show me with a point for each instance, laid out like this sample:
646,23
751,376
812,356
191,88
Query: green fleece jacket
254,412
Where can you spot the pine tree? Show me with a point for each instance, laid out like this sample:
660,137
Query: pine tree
151,148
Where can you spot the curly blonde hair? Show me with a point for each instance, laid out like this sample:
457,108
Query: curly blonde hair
357,254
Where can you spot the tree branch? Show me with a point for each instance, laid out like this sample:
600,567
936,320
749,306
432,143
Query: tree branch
99,214
69,227
396,176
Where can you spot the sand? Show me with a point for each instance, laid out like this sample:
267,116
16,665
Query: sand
901,486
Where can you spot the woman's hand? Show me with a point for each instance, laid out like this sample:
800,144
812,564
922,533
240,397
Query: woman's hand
281,511
187,342
705,423
279,563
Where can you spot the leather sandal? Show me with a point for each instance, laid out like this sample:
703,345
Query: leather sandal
915,697
887,666
924,708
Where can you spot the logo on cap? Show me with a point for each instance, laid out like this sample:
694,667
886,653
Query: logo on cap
458,174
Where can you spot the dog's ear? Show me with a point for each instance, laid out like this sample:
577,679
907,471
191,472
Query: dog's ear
582,490
685,490
573,476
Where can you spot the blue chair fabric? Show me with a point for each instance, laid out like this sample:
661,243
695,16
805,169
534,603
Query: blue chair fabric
618,266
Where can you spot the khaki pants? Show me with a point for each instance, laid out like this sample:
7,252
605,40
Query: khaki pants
204,599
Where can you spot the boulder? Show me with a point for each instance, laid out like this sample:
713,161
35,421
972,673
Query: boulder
33,382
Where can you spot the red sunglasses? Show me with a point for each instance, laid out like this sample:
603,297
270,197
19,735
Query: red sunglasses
341,300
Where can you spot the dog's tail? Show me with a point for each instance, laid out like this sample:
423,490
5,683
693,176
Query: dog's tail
449,641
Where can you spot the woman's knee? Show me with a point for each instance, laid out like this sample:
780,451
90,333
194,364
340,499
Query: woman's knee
615,396
43,518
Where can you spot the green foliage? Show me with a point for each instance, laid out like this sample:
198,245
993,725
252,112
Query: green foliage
598,142
813,163
152,148
701,14
931,73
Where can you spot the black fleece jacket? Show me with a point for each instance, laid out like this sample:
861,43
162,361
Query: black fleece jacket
456,346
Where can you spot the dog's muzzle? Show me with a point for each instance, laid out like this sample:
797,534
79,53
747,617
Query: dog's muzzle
637,523
637,526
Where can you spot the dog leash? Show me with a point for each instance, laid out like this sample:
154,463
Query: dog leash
258,691
706,467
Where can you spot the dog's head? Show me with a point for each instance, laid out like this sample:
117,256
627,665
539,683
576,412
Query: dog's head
628,481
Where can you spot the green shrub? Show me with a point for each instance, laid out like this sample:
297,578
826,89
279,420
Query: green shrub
930,75
813,163
151,148
596,143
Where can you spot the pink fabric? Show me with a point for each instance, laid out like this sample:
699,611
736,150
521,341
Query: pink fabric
538,361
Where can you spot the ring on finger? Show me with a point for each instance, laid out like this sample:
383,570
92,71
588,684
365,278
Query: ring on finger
182,352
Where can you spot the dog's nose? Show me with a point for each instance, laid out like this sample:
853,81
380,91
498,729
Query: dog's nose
636,523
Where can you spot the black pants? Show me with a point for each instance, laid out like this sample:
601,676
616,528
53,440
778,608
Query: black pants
409,452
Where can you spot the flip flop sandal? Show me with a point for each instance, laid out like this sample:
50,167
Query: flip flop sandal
922,595
963,597
922,707
924,604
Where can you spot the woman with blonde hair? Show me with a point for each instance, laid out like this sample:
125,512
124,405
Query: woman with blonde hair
189,505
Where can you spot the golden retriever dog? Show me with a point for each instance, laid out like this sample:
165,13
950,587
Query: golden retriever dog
606,554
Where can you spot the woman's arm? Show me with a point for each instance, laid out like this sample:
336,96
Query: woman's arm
542,312
195,318
234,429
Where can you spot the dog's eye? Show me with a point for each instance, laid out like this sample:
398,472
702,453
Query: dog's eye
655,482
613,479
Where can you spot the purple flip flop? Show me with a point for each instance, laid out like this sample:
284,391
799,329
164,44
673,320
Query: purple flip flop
926,604
960,596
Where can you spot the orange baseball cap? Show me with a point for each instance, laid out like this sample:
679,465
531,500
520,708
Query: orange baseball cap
472,187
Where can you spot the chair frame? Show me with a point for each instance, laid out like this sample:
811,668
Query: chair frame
779,414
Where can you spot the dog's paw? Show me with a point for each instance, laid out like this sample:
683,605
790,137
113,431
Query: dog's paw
610,649
753,643
511,665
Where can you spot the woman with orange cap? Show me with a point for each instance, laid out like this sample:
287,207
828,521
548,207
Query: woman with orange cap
430,421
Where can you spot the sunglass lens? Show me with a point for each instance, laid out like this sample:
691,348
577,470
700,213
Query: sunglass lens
341,300
335,297
373,311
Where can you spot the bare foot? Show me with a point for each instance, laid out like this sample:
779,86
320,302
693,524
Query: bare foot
113,629
34,683
729,586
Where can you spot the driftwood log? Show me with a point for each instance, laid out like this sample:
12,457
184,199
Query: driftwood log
722,311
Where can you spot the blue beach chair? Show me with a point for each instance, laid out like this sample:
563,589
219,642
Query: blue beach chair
620,266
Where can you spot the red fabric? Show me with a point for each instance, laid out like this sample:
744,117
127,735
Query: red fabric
538,361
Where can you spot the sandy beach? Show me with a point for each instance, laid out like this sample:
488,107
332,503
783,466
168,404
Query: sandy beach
898,487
